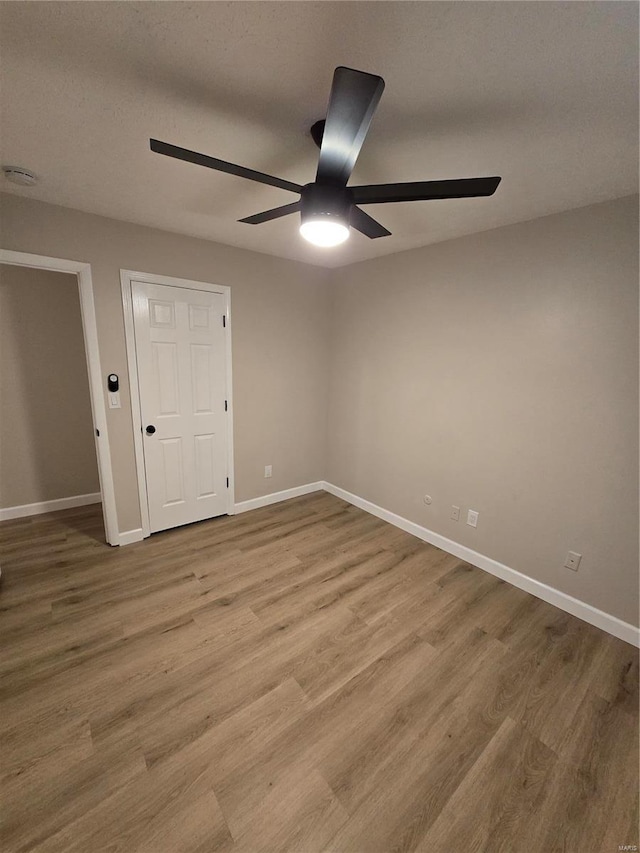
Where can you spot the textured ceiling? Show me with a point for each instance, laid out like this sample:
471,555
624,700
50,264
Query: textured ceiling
543,93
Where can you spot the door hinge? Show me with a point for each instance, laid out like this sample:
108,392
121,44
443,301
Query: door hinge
224,320
225,405
98,433
227,482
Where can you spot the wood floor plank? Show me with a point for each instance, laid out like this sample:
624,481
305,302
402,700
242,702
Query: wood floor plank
56,799
161,810
310,814
491,807
432,698
310,740
303,678
426,770
599,779
233,743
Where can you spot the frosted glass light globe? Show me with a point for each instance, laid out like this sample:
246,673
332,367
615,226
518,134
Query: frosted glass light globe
324,232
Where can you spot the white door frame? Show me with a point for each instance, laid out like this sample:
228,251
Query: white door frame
127,277
90,334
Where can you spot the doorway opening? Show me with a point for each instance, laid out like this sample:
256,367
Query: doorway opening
55,450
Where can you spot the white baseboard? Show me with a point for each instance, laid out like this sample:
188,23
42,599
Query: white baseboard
276,497
130,536
49,506
610,624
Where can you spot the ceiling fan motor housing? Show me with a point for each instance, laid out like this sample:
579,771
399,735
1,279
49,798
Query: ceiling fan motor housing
322,202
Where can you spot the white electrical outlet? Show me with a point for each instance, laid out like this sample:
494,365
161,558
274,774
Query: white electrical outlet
573,561
428,500
455,513
472,518
267,471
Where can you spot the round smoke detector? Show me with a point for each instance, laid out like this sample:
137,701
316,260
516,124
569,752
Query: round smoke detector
18,175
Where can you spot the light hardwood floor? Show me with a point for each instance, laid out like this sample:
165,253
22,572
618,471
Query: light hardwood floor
301,678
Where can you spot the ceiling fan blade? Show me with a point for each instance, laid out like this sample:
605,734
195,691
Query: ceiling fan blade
424,190
274,213
366,224
352,103
221,165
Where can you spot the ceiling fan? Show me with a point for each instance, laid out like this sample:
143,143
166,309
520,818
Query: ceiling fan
327,206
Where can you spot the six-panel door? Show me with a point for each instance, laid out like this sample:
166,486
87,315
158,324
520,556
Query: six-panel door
180,353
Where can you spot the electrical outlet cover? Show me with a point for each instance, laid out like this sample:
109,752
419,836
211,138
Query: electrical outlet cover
573,561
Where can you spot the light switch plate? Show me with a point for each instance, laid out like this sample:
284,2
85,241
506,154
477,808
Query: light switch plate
114,399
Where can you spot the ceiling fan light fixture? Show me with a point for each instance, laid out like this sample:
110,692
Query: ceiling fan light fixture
324,215
324,231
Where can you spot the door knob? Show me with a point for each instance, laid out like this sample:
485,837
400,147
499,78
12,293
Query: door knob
150,429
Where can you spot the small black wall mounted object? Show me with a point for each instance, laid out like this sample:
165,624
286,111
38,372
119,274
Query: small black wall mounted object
113,383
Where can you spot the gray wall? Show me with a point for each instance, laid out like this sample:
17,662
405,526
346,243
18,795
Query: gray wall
47,448
280,325
499,372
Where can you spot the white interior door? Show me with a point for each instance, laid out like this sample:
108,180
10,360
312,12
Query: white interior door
180,355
